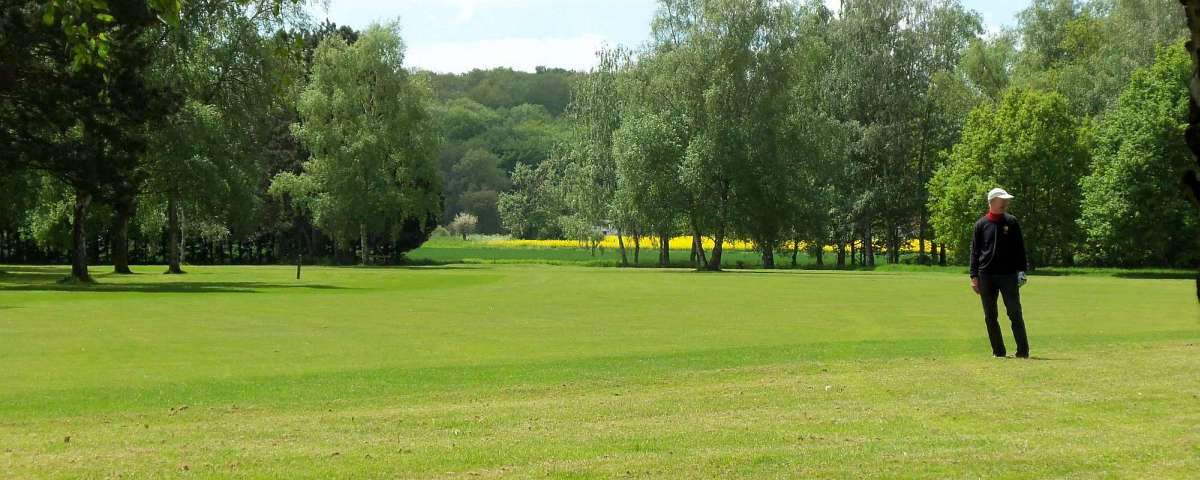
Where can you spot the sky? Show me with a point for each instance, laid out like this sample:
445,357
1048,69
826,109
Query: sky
455,36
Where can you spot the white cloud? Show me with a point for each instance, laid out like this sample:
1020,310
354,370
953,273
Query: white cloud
526,54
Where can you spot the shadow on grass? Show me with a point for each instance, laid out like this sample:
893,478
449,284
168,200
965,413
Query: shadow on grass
56,272
162,287
46,279
787,271
1157,275
803,271
417,267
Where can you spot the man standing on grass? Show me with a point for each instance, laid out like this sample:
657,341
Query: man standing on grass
998,267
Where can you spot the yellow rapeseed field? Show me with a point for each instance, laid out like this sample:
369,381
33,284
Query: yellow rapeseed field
677,243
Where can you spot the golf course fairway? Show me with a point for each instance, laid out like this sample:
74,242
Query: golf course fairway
488,371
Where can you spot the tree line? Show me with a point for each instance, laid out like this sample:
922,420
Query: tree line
238,131
794,127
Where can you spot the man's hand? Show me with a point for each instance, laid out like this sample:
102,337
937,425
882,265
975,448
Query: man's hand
1021,279
975,284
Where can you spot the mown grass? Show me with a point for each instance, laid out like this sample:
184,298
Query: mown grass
531,371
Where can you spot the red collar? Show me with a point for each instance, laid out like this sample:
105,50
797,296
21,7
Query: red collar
995,217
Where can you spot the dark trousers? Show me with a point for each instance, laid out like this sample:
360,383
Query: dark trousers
991,286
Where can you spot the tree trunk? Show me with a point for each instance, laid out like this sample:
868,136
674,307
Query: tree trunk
795,253
853,253
120,237
362,238
621,245
1191,181
79,258
184,254
637,248
664,250
894,245
768,257
714,260
921,230
942,259
868,248
841,254
174,237
313,251
820,254
698,255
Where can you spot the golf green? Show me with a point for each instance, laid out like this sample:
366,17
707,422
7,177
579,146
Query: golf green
484,371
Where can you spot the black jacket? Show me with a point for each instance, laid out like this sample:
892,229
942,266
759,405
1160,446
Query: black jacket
998,248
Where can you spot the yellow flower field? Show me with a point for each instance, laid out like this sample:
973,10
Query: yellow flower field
677,243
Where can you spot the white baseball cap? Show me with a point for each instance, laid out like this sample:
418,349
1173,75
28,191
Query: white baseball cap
998,193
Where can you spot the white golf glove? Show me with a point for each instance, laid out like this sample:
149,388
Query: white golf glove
1021,279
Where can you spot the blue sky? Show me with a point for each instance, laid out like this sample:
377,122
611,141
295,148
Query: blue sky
459,35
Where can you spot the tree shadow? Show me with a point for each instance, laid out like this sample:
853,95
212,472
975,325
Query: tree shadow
1049,273
33,273
787,271
1048,359
431,266
1157,275
46,279
801,271
165,287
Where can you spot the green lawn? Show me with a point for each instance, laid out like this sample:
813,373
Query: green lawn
484,371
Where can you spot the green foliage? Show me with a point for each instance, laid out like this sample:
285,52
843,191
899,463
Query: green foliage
88,26
773,122
192,157
1131,214
647,149
504,88
368,124
987,63
484,145
49,221
77,99
735,162
533,206
477,170
19,192
203,168
591,181
1028,144
1087,50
